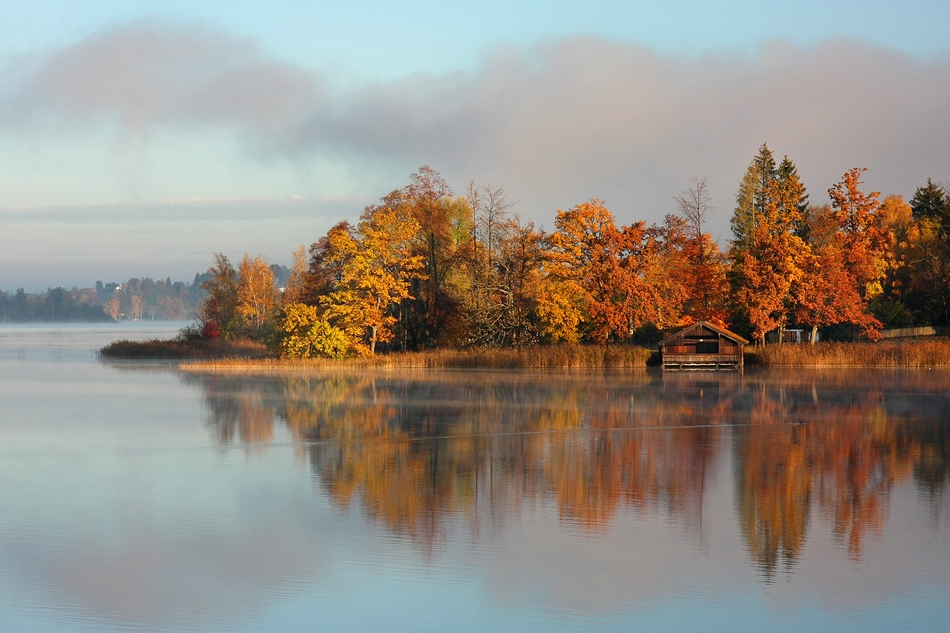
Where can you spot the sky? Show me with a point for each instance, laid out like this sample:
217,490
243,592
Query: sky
138,138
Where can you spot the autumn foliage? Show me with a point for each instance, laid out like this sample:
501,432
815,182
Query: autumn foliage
426,269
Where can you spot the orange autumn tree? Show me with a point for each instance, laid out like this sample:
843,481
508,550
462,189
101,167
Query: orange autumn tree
601,283
705,269
828,294
768,254
656,274
580,264
862,241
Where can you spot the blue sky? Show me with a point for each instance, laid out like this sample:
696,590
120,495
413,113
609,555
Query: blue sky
137,138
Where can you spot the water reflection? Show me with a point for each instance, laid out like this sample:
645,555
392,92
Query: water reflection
416,451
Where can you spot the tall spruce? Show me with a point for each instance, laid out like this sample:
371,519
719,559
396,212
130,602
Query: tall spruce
791,198
753,198
768,252
930,201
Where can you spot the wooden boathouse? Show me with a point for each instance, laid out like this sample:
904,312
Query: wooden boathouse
702,346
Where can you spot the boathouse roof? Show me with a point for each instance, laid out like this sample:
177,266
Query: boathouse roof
706,324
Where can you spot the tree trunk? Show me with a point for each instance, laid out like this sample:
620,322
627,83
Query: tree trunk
814,334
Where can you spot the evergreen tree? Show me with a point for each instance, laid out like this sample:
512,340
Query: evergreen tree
930,201
768,252
791,198
753,197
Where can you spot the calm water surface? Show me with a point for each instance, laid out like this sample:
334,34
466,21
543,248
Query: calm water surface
137,498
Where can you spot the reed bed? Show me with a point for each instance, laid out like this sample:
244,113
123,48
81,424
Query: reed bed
176,349
915,354
552,357
250,357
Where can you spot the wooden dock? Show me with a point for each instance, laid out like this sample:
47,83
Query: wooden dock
702,362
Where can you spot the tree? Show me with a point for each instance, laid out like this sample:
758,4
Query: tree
136,310
768,253
791,198
704,278
846,263
931,201
110,307
325,268
931,209
502,273
753,197
582,265
694,205
610,281
429,200
220,306
173,308
895,217
559,309
855,213
490,211
376,267
486,300
295,289
828,294
653,286
256,294
306,334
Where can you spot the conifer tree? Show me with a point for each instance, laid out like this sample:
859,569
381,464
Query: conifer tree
931,201
768,253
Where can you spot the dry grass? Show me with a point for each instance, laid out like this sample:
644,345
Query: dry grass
156,349
249,357
918,353
553,357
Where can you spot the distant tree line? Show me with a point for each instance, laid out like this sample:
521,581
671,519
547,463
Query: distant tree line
137,299
55,304
425,268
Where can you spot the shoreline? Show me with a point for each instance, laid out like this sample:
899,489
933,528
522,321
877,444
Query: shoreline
247,357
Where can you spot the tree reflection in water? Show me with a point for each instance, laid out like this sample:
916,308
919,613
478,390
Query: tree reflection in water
421,450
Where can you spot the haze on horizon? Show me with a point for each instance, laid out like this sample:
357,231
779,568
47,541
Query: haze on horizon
139,139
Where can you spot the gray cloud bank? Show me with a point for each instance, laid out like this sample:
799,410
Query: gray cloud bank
556,124
77,245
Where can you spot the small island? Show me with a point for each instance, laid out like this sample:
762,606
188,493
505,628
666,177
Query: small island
428,278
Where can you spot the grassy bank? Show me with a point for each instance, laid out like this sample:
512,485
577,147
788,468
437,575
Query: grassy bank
247,356
179,349
553,357
933,352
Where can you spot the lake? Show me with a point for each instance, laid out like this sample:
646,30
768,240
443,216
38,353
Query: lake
135,497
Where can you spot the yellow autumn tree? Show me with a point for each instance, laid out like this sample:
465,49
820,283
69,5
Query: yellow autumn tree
296,282
256,294
307,334
376,266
